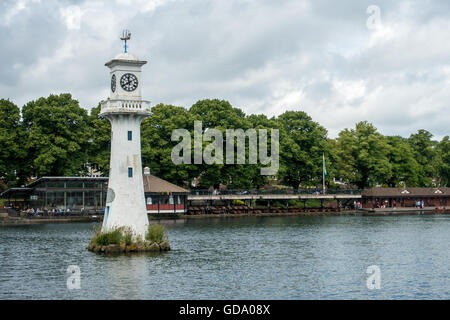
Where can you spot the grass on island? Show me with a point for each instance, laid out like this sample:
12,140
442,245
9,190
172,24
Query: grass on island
156,233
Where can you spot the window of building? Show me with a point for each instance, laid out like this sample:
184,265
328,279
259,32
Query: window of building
130,172
149,201
130,135
171,200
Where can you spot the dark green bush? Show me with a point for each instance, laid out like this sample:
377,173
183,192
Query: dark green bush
156,233
107,238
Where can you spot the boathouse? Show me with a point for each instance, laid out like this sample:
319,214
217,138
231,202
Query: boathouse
76,193
88,195
162,196
405,197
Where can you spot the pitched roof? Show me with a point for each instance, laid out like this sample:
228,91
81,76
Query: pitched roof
406,192
154,184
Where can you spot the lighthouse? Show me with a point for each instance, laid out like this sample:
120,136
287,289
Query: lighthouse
125,110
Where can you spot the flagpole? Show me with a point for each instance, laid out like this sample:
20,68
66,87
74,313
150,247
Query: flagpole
323,173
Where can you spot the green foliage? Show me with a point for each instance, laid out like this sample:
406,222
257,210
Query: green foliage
116,236
156,233
278,204
221,115
99,141
405,169
238,203
303,143
55,136
156,132
107,238
443,161
424,150
57,133
297,203
127,236
363,156
11,143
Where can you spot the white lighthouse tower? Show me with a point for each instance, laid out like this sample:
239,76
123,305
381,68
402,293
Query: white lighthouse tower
125,109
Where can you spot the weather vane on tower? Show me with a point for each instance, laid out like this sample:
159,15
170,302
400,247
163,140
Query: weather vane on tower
126,35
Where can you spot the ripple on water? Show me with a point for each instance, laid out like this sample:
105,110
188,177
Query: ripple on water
240,258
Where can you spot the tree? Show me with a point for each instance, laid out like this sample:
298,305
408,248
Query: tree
363,156
57,135
12,152
443,151
404,165
99,150
302,143
261,122
331,161
221,115
156,133
424,152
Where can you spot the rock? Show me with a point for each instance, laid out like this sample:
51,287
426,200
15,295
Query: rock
154,247
132,247
112,248
164,246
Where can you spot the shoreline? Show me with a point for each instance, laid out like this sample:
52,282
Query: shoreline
18,221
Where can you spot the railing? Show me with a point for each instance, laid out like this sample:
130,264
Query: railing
276,191
129,105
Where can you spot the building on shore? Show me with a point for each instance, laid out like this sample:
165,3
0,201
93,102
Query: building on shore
47,193
405,197
162,196
88,194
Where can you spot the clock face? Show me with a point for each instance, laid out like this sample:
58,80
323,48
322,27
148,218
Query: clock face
113,83
129,82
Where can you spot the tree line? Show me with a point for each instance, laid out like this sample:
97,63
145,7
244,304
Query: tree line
54,136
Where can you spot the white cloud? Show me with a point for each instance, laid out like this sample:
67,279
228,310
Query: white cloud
263,56
142,5
14,10
72,17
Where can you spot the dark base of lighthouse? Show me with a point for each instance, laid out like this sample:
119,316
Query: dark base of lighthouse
130,248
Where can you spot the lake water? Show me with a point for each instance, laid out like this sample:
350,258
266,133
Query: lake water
238,258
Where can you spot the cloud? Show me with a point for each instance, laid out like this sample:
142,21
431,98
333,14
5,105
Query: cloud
13,10
72,17
263,56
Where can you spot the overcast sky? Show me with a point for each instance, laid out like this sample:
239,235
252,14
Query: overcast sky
331,59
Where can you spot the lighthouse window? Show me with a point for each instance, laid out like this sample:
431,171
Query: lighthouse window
130,135
130,172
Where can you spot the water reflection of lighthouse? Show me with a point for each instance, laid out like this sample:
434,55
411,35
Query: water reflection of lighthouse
125,110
